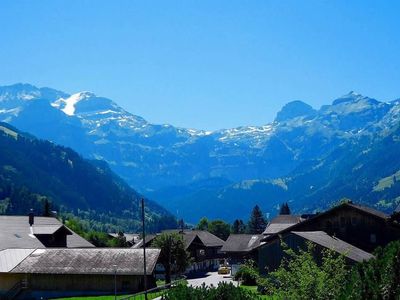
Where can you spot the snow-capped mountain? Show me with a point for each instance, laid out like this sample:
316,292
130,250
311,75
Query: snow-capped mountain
152,157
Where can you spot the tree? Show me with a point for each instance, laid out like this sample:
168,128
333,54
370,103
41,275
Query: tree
46,208
238,227
203,224
285,210
173,256
257,221
220,229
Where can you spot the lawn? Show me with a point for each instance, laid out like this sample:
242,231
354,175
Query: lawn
111,297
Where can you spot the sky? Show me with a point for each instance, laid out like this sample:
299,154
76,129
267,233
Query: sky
204,64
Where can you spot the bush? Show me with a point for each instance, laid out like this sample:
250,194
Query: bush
247,273
224,291
301,277
378,278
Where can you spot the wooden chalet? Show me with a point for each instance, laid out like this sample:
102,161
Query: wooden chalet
355,228
203,246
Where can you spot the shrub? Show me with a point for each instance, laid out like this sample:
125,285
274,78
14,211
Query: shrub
247,273
300,277
378,278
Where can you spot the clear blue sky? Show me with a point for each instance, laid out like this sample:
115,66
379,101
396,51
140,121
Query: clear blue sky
204,64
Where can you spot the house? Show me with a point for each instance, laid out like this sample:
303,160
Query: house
359,226
239,247
63,272
37,232
271,253
203,246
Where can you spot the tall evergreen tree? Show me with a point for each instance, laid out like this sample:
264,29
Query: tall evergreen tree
46,208
257,222
285,210
238,227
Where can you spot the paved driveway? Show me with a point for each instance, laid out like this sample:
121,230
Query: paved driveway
210,278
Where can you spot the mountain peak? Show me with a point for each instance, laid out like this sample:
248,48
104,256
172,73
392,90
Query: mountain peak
348,98
294,109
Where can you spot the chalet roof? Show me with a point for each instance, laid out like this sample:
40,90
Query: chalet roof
107,261
15,232
49,229
335,244
241,242
364,209
149,239
207,238
10,258
281,222
368,210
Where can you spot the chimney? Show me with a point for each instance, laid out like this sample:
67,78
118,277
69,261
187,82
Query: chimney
31,218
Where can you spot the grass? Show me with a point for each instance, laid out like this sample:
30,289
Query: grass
111,297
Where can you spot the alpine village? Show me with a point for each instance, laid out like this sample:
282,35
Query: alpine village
72,227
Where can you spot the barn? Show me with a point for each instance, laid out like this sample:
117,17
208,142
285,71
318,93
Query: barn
61,272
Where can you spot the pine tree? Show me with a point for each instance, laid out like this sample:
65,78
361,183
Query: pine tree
46,208
285,210
238,227
257,221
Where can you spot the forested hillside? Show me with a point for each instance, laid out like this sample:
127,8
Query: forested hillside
33,170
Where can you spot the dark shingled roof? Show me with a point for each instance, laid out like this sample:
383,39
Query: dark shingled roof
241,242
280,223
207,238
127,261
15,232
335,244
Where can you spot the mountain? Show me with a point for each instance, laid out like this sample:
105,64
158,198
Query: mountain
33,170
309,157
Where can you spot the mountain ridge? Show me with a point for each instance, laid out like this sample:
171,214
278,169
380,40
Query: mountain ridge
154,157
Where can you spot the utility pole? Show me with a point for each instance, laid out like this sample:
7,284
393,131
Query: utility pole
144,252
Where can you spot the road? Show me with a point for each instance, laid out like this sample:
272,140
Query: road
211,278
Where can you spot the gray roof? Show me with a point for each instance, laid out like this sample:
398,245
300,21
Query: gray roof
107,261
15,232
149,238
48,229
368,210
207,238
335,244
241,242
10,258
281,222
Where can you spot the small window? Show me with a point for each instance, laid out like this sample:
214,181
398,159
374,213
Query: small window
354,220
372,238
